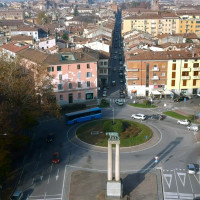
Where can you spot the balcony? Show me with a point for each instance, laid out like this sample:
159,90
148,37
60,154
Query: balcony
155,78
132,70
196,77
185,77
196,69
185,69
132,78
155,69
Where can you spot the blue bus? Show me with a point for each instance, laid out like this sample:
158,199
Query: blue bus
83,115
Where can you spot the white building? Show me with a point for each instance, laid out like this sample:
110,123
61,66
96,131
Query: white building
46,43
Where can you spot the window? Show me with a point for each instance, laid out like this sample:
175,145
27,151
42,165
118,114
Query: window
185,65
162,74
70,85
101,63
60,76
79,84
79,95
194,82
195,73
60,86
101,71
88,66
89,96
89,74
196,65
50,69
184,82
105,71
105,63
78,66
185,74
88,83
173,60
58,68
173,82
61,97
79,75
173,74
174,67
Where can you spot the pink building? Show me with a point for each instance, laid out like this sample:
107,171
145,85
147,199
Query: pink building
74,74
74,77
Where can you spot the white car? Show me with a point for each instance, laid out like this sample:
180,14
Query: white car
183,122
193,127
119,102
139,116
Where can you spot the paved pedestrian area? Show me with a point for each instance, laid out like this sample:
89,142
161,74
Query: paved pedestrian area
92,185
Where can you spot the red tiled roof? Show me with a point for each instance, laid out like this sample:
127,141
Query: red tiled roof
14,47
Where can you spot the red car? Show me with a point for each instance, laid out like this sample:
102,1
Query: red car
56,158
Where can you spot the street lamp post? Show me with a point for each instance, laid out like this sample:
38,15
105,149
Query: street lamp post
113,109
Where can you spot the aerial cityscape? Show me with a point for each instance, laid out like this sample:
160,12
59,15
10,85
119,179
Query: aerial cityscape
100,99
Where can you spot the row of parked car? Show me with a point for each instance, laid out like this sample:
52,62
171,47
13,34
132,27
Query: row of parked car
186,122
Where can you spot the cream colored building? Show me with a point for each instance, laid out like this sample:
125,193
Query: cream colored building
154,24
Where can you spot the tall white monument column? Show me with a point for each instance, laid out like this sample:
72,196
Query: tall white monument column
117,163
109,162
114,186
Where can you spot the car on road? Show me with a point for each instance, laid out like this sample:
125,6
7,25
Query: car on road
192,168
138,116
113,83
17,195
121,75
104,93
121,80
114,69
184,122
119,102
158,116
56,158
50,138
121,95
182,98
193,127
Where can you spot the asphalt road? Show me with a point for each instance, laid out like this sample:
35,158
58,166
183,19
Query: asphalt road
176,147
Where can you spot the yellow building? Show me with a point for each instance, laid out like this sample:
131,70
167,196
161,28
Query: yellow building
184,73
152,23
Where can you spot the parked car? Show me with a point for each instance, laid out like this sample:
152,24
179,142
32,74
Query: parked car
104,93
114,69
56,158
138,116
184,122
178,99
113,83
192,168
119,102
193,127
121,95
121,80
50,138
17,195
158,116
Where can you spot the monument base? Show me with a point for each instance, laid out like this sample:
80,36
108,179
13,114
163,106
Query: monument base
114,190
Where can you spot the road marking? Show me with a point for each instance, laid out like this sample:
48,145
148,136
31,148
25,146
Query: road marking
197,178
176,182
63,182
166,176
183,175
175,195
48,179
57,175
170,195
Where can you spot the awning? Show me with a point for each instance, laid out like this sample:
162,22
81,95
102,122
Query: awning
155,92
167,92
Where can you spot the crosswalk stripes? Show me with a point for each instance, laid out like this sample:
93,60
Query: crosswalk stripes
180,196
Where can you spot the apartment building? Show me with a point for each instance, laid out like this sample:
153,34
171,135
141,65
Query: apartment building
11,14
160,73
153,24
74,74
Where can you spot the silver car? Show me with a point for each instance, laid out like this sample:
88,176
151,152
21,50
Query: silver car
17,195
193,127
192,169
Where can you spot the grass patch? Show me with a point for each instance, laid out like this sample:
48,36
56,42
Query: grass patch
131,133
174,115
142,105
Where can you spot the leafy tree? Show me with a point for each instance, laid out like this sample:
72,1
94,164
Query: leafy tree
188,40
42,18
65,36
